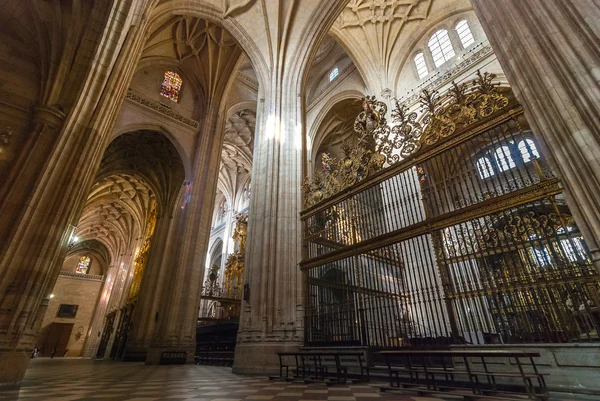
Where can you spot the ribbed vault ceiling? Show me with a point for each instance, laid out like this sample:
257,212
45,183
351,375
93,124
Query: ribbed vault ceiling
137,169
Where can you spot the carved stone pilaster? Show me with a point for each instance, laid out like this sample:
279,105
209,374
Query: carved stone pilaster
549,52
270,320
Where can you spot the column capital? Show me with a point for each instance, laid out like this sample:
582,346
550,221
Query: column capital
49,115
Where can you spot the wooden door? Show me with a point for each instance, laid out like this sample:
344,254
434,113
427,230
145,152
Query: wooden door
58,337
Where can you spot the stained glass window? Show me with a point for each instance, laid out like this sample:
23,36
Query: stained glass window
421,65
171,86
83,265
464,33
333,74
441,47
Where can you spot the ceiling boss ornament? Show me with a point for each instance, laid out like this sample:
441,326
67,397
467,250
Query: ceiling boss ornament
377,144
361,12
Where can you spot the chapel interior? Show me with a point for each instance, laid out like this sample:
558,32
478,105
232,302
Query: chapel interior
190,188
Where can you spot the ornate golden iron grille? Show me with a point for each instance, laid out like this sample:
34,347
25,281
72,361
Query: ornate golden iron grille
449,229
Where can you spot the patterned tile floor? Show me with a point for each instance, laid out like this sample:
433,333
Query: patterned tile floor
79,380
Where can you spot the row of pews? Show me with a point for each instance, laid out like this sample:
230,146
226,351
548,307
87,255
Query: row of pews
470,374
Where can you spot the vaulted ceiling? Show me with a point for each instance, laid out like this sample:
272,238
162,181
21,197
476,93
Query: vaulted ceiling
238,145
379,35
138,169
203,52
336,127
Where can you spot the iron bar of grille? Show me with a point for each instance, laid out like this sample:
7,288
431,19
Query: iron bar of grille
518,273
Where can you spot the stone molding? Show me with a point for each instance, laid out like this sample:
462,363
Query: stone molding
134,97
252,84
79,276
49,115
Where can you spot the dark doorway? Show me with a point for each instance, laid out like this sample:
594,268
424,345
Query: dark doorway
58,338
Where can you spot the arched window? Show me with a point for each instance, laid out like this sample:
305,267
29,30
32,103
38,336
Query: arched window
83,265
421,66
333,74
171,86
528,150
484,167
464,33
441,47
504,158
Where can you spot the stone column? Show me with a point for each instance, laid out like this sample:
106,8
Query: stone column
176,326
272,314
153,287
94,334
47,186
549,52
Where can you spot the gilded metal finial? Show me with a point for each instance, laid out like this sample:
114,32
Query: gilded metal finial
379,144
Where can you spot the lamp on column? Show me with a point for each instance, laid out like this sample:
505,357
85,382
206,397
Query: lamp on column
73,239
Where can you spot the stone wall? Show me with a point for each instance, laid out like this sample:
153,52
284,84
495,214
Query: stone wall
72,291
572,368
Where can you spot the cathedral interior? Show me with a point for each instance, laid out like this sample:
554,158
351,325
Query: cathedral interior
192,191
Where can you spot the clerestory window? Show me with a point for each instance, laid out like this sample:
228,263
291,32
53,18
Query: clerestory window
464,33
171,86
421,65
440,47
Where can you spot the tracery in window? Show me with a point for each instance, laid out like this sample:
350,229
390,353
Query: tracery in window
441,47
171,86
334,73
504,159
528,150
464,33
421,65
83,265
484,167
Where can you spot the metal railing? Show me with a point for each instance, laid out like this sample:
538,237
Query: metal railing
468,239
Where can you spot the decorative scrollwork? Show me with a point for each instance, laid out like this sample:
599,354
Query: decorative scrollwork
379,145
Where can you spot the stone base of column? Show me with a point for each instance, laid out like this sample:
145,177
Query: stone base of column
170,355
260,358
13,365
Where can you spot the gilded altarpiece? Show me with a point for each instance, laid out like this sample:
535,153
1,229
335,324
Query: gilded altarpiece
142,258
226,293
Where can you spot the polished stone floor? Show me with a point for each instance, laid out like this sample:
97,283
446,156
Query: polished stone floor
79,379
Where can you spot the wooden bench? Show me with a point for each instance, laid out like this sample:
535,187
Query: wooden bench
218,358
325,367
437,372
173,358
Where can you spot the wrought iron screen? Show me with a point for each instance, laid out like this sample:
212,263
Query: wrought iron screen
450,228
